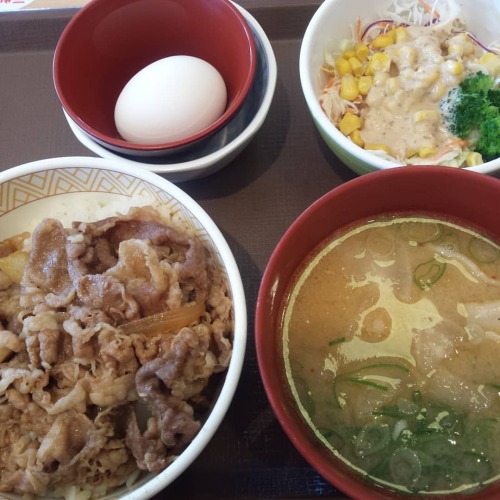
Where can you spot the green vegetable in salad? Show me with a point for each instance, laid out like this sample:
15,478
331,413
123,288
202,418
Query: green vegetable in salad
489,142
471,112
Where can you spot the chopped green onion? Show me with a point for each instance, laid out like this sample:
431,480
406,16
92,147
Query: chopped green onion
416,396
365,382
389,411
346,377
407,407
476,465
406,467
336,341
333,437
325,432
421,232
483,251
372,438
403,409
428,273
378,365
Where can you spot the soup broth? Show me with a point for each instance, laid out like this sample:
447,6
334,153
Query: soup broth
391,345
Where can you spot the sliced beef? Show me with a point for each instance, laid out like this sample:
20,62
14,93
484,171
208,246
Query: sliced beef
47,269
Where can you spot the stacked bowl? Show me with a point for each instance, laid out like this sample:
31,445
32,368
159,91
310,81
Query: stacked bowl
108,43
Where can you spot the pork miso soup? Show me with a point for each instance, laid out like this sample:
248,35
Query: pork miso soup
391,345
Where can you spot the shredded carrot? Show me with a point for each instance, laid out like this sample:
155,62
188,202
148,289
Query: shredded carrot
329,84
428,8
458,142
448,147
328,70
332,81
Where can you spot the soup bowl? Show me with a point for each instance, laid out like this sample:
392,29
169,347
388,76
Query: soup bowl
107,42
460,197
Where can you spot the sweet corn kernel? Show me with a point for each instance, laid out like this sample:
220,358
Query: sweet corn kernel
469,46
392,85
379,62
492,63
455,50
356,66
362,51
349,123
380,79
378,147
458,39
426,151
348,54
407,74
392,34
428,74
486,58
473,159
382,41
438,91
410,153
343,66
407,56
364,84
392,105
349,88
454,67
400,34
425,115
355,137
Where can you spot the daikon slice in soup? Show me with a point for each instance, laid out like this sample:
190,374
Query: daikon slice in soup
391,347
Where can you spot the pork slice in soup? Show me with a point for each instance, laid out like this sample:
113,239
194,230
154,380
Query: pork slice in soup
391,342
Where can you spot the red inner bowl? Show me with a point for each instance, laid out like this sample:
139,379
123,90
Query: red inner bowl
457,195
109,41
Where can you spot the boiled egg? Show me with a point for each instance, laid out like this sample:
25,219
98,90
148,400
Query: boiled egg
170,100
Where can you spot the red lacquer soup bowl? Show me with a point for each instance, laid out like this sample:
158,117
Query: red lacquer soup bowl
109,41
465,198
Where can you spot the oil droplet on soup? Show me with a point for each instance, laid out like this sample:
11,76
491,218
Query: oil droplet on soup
391,342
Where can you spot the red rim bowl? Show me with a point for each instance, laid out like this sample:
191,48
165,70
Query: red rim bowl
109,41
465,197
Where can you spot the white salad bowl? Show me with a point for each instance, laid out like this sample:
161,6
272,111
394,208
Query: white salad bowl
80,188
335,21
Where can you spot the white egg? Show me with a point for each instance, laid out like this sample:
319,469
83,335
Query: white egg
169,100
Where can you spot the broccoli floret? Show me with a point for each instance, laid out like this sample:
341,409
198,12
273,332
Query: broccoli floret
494,97
463,112
489,139
471,112
478,83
